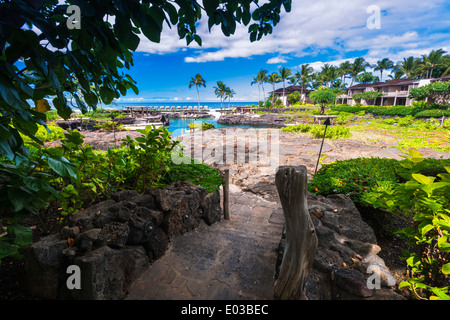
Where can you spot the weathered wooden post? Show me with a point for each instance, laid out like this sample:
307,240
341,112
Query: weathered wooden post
301,239
226,194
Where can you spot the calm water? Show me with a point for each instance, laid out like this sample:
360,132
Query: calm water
181,126
210,105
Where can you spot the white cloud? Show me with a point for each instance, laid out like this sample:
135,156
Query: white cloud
276,60
312,26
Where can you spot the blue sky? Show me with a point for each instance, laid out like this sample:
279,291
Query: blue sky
315,32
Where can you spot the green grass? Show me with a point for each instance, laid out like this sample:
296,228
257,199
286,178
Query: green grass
199,174
317,131
407,132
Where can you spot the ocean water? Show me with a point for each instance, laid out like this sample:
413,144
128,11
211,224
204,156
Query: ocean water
180,126
210,105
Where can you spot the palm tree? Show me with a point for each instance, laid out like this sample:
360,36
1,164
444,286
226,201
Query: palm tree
408,67
384,64
316,81
197,81
304,75
344,70
436,59
261,77
447,66
284,74
358,66
256,81
329,74
220,91
367,77
229,93
397,75
272,79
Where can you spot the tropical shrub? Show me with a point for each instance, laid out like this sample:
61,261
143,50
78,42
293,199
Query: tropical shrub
334,132
297,128
294,97
323,96
109,125
74,175
317,131
416,110
353,177
207,126
432,113
196,173
202,126
370,96
343,117
278,102
427,200
151,156
405,121
51,133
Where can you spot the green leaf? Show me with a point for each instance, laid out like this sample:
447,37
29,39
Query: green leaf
210,6
61,106
446,268
427,228
10,94
24,235
173,14
440,294
422,179
62,166
20,197
7,249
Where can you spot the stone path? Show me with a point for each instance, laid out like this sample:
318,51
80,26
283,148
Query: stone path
232,259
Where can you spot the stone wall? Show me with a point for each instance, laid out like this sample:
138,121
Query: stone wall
113,241
346,257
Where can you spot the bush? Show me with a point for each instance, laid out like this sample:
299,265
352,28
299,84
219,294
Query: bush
427,201
356,176
202,126
294,97
416,110
405,121
317,131
389,121
198,174
278,102
56,133
109,125
353,177
432,113
335,132
297,128
207,126
343,117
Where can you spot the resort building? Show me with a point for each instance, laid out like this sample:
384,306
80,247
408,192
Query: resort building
396,91
278,93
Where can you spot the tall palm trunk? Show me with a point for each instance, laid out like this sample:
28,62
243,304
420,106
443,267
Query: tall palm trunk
198,97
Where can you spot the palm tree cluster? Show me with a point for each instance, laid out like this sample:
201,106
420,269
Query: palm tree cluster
222,91
435,64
